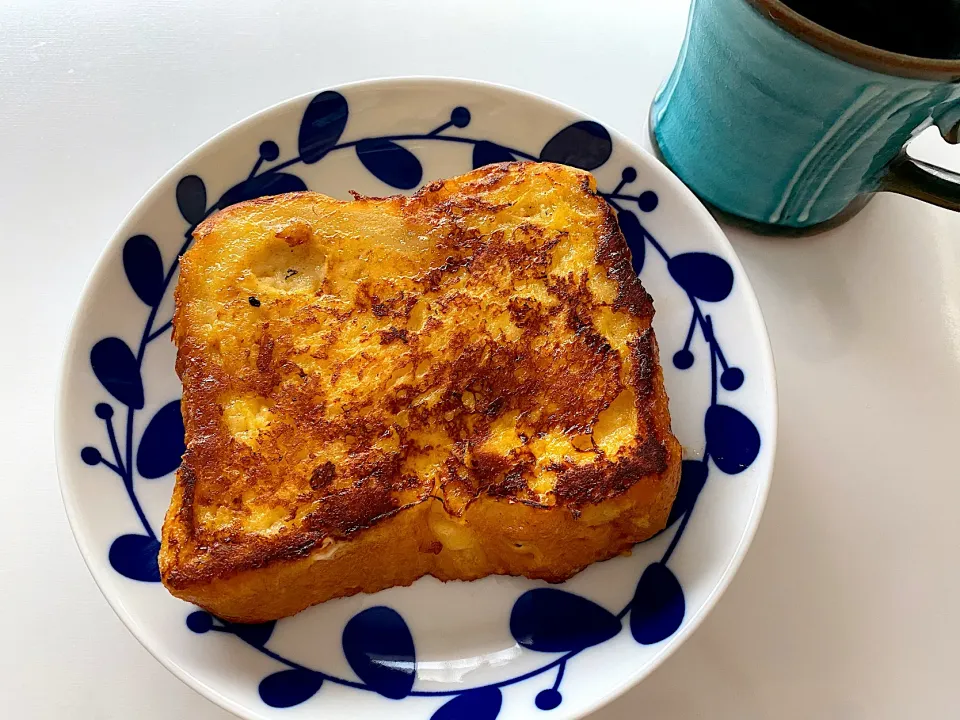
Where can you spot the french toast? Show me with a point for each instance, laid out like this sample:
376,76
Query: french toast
460,383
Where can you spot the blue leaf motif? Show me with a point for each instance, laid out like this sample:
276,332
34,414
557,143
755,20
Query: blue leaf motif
161,446
550,620
322,125
135,557
270,183
289,687
480,704
488,153
256,635
693,476
392,164
658,605
379,647
732,439
192,198
259,186
703,275
585,144
116,368
144,268
633,233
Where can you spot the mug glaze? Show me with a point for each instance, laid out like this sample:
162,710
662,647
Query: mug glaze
769,117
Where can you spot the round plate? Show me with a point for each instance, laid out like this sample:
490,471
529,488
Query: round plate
454,650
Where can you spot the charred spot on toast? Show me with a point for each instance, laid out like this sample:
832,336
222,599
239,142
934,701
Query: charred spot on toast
485,338
323,475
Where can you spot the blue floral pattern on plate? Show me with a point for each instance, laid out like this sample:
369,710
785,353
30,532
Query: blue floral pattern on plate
551,621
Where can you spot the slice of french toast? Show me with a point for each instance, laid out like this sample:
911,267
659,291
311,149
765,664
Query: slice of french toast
459,383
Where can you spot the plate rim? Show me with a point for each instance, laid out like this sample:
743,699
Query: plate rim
767,368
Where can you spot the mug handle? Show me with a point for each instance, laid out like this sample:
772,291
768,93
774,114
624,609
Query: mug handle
921,180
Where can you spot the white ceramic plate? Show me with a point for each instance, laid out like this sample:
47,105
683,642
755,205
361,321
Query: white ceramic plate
456,650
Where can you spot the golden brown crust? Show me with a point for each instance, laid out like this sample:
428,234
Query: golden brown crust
459,383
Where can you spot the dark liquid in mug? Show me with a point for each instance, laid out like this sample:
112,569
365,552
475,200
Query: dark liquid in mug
924,28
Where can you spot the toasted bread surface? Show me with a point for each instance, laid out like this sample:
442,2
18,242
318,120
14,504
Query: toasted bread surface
458,383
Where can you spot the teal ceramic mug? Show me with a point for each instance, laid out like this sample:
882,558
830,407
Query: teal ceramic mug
772,118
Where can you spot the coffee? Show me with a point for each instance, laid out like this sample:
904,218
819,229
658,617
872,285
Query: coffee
923,28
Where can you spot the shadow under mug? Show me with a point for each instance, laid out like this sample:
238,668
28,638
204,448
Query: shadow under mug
772,118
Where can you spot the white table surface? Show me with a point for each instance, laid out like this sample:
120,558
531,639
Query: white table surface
846,606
